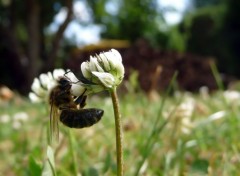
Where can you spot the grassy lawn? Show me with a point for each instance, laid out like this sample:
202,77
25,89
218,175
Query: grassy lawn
182,134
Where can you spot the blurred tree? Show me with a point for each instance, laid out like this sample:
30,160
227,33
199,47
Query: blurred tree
23,41
128,19
205,3
231,34
214,30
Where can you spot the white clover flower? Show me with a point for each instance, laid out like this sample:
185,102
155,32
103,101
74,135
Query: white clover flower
77,88
5,118
181,116
231,96
102,72
16,125
43,85
20,116
18,119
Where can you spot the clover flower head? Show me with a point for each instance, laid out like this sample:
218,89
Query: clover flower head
231,96
43,85
103,72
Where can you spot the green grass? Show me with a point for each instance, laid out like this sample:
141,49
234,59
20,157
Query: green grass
205,146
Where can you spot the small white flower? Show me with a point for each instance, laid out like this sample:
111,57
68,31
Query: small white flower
204,92
16,125
181,117
5,118
231,96
43,85
103,71
57,73
20,116
34,98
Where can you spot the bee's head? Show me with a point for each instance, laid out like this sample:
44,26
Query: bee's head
63,82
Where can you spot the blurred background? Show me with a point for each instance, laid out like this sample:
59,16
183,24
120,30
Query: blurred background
177,132
155,37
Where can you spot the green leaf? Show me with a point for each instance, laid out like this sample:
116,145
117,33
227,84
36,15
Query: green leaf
34,167
50,156
200,166
91,172
49,164
107,163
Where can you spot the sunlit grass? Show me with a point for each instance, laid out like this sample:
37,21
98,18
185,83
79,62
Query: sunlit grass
210,145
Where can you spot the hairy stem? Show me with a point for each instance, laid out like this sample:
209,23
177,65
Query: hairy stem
118,128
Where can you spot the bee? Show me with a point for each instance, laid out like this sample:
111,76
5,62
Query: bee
69,110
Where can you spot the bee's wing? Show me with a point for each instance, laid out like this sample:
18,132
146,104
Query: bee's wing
54,129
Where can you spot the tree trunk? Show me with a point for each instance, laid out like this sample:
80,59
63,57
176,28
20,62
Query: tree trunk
33,14
58,37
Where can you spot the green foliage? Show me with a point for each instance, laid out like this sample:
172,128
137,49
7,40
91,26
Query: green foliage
34,167
205,3
176,40
213,31
204,30
133,19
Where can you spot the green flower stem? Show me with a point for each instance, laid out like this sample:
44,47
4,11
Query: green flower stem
118,128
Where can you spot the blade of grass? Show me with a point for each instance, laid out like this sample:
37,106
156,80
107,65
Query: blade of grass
74,159
217,76
156,128
49,165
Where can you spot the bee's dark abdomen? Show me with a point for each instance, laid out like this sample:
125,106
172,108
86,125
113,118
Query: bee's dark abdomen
80,118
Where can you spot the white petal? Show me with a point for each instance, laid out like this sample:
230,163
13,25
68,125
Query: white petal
45,80
94,65
36,86
16,125
116,54
107,79
115,62
57,73
34,98
50,75
102,59
120,70
86,70
5,118
71,76
20,116
77,89
51,85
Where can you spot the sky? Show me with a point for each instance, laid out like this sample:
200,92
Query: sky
179,5
91,33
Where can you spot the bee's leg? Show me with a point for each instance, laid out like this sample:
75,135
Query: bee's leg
65,75
67,106
63,107
81,100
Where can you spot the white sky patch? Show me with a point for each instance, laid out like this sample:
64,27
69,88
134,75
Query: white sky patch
59,18
81,12
112,7
83,35
75,31
178,4
174,17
